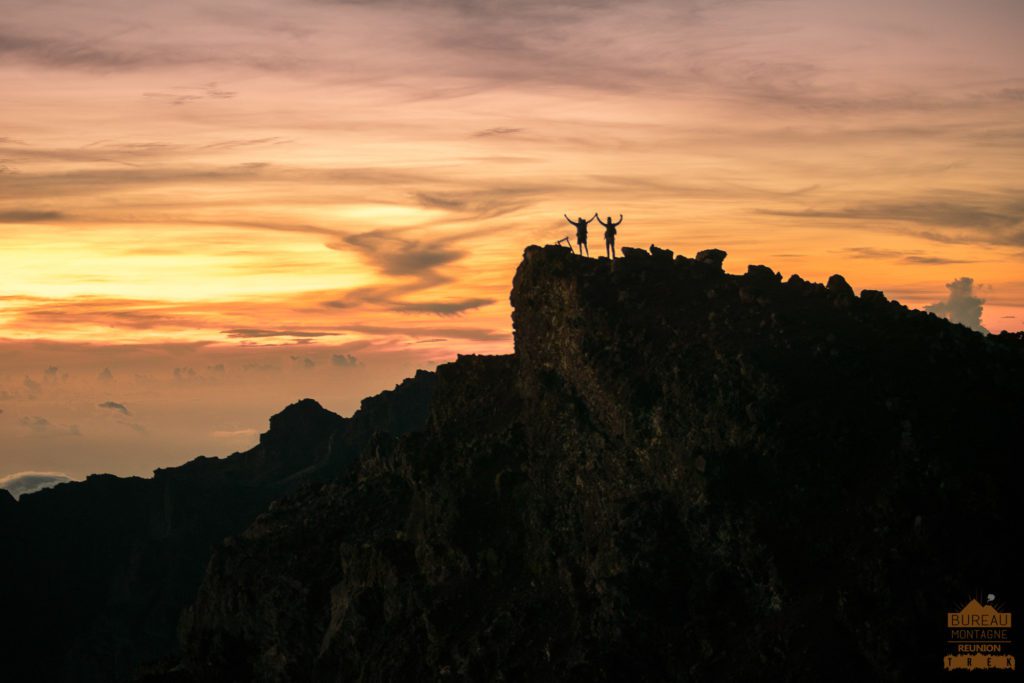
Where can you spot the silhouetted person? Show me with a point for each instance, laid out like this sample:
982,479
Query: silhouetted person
581,231
609,235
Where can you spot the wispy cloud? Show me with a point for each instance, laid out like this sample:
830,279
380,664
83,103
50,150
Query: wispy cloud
113,405
914,257
443,308
396,255
938,213
29,216
497,131
81,53
133,426
986,219
932,260
251,333
233,433
186,95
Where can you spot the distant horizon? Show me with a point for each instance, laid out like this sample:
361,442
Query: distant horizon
25,482
209,211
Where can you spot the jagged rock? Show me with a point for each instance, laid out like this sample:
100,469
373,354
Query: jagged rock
1012,338
98,572
872,296
658,485
712,257
804,288
663,254
761,276
634,253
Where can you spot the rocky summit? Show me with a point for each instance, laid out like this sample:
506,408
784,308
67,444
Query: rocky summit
680,474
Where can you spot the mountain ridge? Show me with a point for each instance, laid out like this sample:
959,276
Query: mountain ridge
668,479
103,567
679,474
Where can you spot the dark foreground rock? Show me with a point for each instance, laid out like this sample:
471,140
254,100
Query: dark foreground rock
94,575
680,475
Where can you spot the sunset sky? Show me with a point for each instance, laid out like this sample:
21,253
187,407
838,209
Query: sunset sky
212,208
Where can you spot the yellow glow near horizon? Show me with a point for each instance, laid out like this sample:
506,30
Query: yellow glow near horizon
129,263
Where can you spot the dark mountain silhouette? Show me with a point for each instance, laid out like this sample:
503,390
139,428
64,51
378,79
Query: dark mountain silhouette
680,474
95,574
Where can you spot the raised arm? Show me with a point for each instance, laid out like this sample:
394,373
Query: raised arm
619,222
590,220
571,222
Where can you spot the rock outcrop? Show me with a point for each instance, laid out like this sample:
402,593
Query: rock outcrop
94,575
680,474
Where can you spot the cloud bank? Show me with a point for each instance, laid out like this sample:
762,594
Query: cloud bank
961,306
21,483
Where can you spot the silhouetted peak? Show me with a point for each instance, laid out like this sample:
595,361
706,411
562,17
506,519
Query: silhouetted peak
837,284
672,450
555,291
301,412
300,423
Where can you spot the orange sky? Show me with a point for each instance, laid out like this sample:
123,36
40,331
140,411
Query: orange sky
337,192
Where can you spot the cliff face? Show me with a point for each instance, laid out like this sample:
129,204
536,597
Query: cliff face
679,474
95,574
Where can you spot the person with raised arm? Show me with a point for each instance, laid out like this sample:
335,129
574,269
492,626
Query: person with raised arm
609,235
581,231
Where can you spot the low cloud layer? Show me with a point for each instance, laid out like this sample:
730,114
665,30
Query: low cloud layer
41,425
146,415
303,362
343,360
